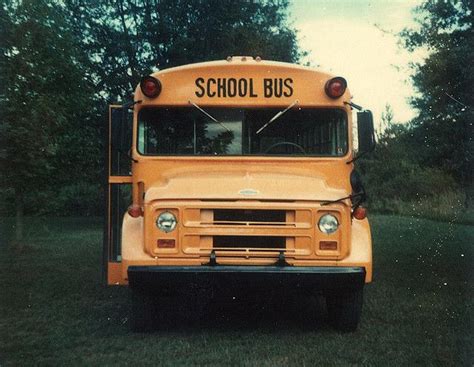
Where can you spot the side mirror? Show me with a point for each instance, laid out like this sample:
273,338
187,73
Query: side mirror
366,134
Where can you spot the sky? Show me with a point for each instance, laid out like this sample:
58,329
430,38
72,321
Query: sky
355,39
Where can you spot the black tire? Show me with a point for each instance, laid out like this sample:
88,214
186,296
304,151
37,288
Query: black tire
143,314
344,309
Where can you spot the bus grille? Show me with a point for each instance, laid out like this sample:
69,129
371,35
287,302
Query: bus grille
239,242
240,230
249,217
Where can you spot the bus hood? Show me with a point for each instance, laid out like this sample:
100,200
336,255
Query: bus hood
245,186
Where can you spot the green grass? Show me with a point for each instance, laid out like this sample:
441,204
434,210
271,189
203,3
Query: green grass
418,310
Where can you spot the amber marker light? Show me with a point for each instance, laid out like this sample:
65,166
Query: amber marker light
166,243
359,213
335,87
150,86
328,245
135,211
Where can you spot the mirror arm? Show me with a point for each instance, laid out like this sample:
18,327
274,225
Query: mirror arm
356,158
131,104
355,106
361,155
127,155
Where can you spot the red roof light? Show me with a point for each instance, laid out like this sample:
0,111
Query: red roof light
150,86
335,87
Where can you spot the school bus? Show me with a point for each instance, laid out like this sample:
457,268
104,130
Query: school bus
239,174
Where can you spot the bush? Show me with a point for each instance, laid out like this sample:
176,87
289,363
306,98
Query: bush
406,181
399,181
79,199
405,188
446,207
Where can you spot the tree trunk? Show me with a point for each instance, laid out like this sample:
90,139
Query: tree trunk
19,215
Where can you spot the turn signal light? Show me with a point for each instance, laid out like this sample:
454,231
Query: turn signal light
135,211
150,86
328,245
335,87
359,213
166,243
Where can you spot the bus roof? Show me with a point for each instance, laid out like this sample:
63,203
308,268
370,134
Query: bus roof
243,81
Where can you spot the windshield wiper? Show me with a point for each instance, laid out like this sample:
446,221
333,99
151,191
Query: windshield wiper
209,115
276,116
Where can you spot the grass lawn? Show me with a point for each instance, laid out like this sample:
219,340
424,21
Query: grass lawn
418,310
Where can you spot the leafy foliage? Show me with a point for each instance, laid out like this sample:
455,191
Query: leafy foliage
127,39
46,126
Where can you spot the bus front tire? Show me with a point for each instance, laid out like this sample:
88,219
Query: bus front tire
344,309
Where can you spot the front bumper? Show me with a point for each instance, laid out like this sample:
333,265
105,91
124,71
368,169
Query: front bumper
245,277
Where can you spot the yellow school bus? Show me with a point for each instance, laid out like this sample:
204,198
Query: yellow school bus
238,173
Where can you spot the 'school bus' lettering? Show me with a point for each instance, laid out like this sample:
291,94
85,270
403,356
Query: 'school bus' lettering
243,87
235,184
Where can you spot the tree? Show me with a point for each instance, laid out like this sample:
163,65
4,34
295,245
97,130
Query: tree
444,81
386,120
127,39
45,99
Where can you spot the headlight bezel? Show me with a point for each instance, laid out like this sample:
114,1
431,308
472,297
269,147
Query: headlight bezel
328,224
171,217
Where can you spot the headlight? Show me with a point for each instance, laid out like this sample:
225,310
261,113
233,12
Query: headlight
328,224
166,222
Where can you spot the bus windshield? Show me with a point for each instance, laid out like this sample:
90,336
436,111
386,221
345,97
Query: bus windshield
184,131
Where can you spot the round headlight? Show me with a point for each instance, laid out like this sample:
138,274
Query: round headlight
166,222
328,224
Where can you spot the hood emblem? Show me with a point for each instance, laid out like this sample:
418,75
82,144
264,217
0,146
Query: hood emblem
249,192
